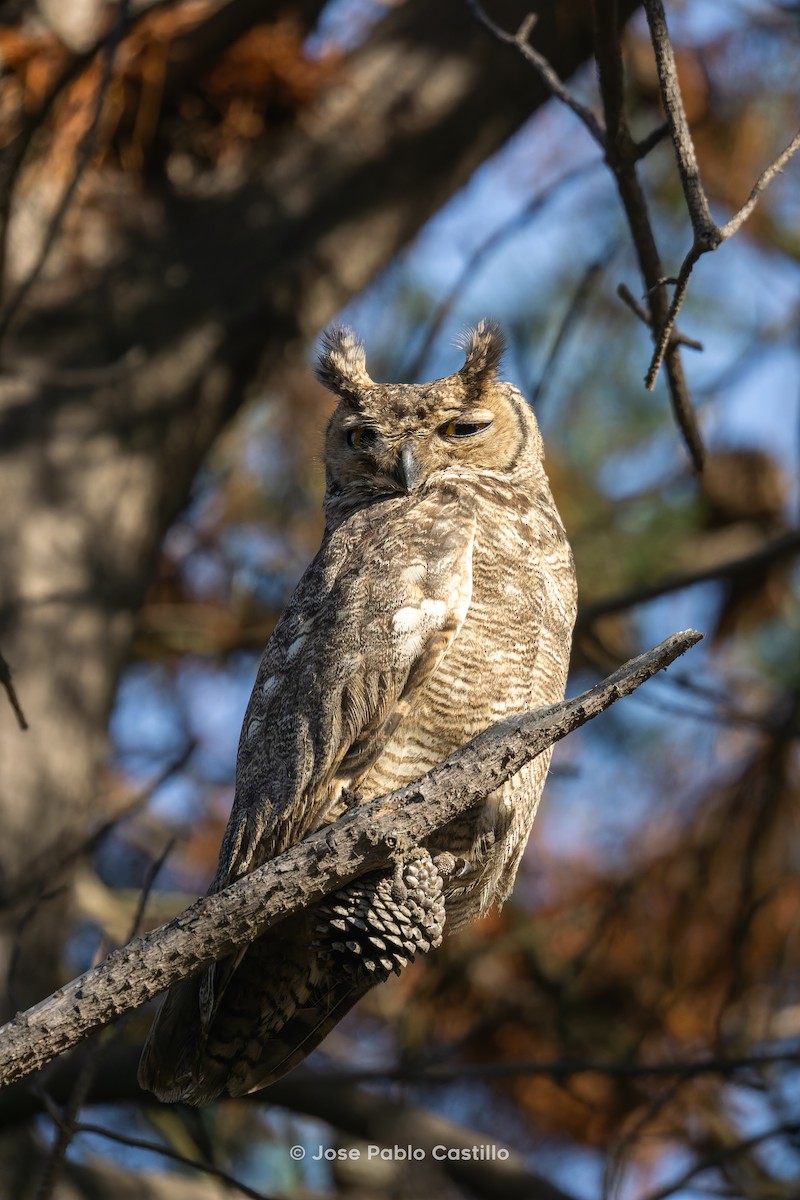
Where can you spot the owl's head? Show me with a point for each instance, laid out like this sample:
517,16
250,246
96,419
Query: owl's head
393,439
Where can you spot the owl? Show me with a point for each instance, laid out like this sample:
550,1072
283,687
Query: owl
441,600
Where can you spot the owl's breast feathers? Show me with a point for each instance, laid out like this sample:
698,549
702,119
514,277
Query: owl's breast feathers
418,624
369,624
422,620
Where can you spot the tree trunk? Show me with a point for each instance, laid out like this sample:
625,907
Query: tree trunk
124,372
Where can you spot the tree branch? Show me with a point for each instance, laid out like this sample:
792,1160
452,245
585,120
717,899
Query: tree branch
204,1167
627,298
364,839
724,1154
361,1114
707,235
622,155
561,1069
549,77
696,202
786,546
13,699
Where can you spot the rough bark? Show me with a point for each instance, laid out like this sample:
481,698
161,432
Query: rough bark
201,298
364,839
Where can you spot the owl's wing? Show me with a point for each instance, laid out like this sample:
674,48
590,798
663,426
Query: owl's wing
369,623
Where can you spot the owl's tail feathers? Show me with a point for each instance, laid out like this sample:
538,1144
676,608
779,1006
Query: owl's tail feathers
362,933
292,986
169,1063
195,1051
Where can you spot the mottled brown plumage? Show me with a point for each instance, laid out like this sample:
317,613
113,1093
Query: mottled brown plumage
442,600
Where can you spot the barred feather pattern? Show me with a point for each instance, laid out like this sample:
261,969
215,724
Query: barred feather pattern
441,601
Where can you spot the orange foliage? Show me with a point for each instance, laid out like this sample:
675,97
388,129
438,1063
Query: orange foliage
248,89
682,957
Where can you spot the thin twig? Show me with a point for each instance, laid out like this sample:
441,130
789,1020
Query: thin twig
19,938
50,864
578,302
147,886
762,183
495,239
627,298
563,1068
706,234
664,335
786,546
521,40
724,1154
207,1168
7,682
653,139
621,157
65,1122
365,838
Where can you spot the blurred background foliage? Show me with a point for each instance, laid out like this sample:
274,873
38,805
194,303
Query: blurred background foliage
656,919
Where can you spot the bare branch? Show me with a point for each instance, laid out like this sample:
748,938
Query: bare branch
724,1155
703,226
13,699
364,839
707,235
786,546
574,312
207,1168
548,76
664,336
762,183
627,298
621,156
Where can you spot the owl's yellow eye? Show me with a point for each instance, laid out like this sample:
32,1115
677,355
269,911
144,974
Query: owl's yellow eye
463,429
360,437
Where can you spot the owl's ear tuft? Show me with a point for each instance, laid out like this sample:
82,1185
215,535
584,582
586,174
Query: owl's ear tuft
483,347
342,364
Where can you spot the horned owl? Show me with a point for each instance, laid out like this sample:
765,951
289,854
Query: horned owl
441,600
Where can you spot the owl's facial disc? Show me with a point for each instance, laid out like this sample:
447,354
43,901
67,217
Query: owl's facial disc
421,436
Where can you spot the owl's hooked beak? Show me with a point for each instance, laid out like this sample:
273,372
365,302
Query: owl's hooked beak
409,469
